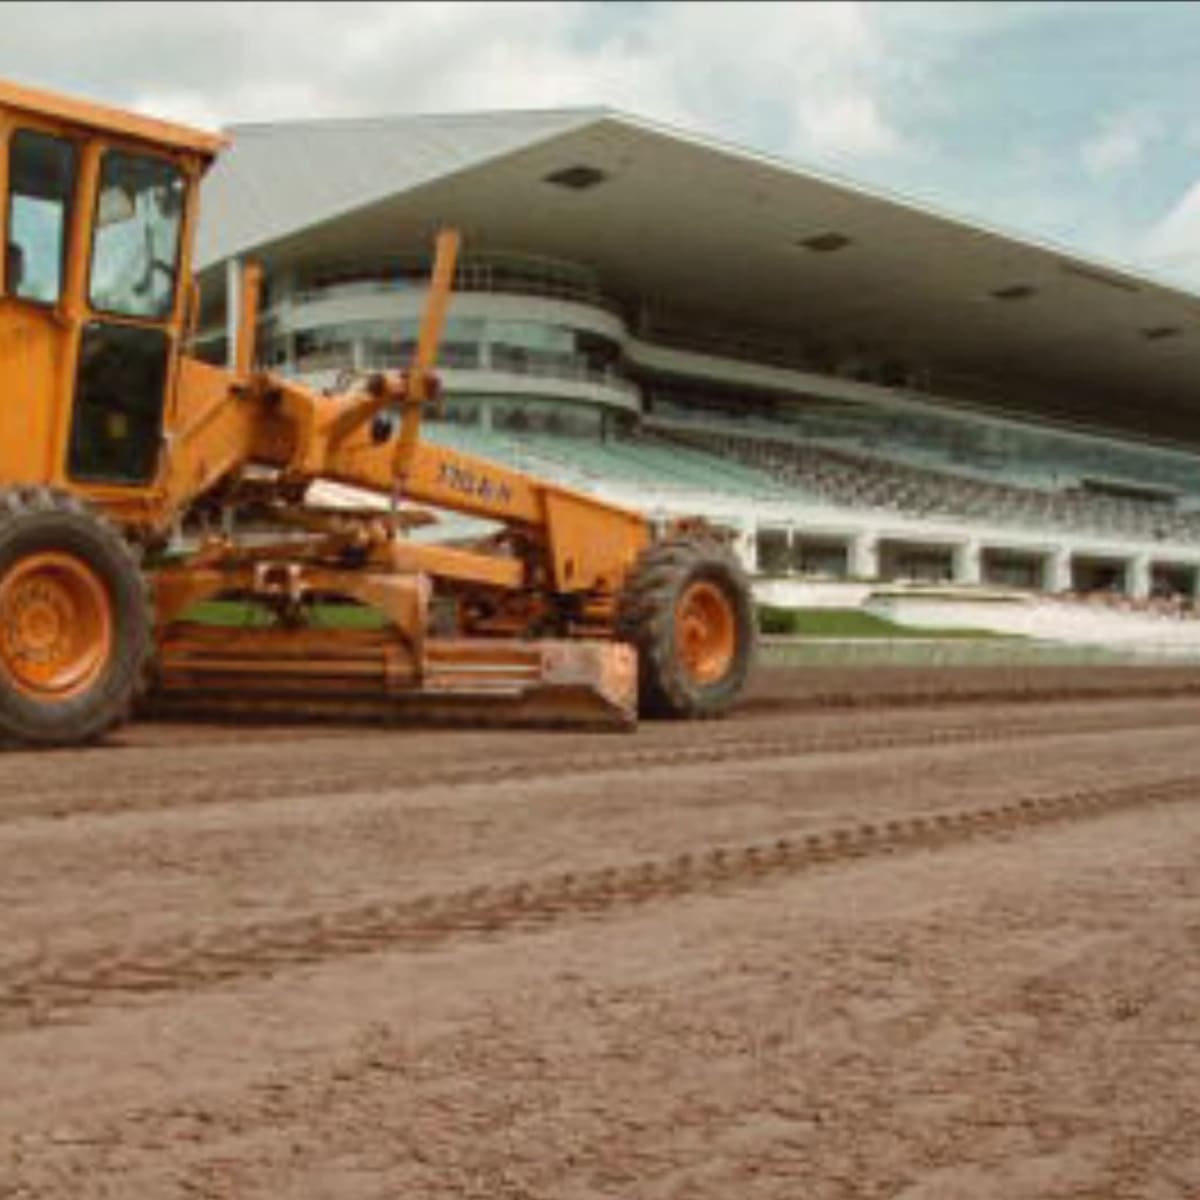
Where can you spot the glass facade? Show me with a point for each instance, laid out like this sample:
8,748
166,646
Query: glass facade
539,349
601,393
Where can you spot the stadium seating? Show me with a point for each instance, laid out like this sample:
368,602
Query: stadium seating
654,463
861,481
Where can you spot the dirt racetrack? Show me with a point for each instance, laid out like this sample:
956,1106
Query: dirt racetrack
882,933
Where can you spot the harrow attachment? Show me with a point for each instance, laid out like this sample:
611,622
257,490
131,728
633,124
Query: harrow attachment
351,675
296,668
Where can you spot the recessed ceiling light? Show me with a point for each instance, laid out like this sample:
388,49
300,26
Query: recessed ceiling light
1156,333
1015,291
824,243
576,178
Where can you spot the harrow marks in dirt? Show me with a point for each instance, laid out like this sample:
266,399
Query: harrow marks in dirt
44,990
726,956
123,792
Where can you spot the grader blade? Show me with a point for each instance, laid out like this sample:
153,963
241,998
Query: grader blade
349,675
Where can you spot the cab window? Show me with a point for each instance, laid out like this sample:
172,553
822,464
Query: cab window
135,256
41,174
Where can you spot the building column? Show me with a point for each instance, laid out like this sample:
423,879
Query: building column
746,548
1137,577
485,346
1056,575
968,567
233,307
864,556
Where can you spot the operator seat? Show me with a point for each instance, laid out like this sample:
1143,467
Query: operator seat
16,268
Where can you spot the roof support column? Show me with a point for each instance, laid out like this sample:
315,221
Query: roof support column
1137,577
791,563
745,546
967,562
864,556
1056,573
233,307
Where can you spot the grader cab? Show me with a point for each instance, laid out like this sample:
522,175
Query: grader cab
110,432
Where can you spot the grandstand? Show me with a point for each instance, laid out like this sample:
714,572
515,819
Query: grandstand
922,523
860,481
655,467
860,390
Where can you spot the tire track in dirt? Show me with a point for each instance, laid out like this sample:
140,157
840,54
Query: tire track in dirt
198,786
940,694
44,990
1021,686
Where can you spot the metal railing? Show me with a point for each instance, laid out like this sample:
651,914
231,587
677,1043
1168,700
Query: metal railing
495,280
573,372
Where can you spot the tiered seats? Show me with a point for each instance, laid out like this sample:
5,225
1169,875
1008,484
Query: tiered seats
653,464
861,481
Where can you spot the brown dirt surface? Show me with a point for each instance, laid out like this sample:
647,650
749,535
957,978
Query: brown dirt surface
902,933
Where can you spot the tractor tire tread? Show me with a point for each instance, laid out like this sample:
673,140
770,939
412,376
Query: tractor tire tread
32,518
646,614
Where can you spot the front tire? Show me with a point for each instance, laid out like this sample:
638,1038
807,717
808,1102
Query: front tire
74,620
688,610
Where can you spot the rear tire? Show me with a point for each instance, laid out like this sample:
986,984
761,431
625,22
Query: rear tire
74,620
688,610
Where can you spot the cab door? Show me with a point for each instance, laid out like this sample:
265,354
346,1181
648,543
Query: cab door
126,344
39,168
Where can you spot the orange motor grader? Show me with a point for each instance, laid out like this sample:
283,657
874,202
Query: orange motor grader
110,433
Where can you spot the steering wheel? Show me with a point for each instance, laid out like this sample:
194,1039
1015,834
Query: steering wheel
153,264
144,284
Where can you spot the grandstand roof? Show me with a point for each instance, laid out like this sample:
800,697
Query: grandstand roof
683,223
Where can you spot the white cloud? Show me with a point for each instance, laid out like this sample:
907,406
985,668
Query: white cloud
1119,143
814,80
854,87
817,74
1172,245
848,125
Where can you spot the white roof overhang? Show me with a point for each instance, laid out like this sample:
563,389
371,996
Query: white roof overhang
684,225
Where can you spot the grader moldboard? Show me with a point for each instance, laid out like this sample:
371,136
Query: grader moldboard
110,432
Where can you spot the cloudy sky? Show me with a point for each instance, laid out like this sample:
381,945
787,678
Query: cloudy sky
1078,123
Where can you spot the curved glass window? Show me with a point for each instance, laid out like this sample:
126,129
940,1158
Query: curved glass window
526,345
394,344
500,273
535,348
329,348
135,254
527,415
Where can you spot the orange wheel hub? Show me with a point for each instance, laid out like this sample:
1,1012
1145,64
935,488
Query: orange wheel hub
705,632
56,626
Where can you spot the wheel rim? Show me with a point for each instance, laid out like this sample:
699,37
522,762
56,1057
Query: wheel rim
705,632
56,629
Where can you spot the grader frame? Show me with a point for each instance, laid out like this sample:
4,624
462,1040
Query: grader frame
108,425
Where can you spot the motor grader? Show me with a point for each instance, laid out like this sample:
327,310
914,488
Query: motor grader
111,432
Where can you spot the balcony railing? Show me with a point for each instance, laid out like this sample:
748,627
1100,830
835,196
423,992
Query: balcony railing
567,371
723,344
468,279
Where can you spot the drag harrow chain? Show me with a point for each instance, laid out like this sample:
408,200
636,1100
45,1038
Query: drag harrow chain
42,990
